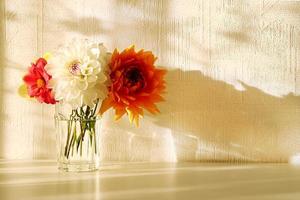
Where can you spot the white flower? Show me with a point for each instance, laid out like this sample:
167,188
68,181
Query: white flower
79,73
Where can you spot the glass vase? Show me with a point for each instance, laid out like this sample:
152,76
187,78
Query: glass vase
77,137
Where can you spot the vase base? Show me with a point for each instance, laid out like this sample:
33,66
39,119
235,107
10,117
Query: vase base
77,167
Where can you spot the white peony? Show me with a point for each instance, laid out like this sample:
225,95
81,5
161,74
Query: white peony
79,73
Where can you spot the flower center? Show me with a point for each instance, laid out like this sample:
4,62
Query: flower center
74,67
134,79
40,83
134,75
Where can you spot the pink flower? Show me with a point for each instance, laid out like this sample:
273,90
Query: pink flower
37,81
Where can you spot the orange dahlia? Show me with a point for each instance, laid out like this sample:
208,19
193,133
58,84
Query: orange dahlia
135,84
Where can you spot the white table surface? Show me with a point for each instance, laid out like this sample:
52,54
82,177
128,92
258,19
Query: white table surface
40,180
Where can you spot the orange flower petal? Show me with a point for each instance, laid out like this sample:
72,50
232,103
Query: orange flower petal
151,107
136,120
130,115
119,113
106,104
157,98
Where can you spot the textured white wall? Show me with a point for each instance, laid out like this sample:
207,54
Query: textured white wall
232,86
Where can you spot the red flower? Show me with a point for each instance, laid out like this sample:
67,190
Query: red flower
37,81
135,84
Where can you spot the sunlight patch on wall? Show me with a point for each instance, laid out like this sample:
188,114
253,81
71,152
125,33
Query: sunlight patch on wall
241,43
295,160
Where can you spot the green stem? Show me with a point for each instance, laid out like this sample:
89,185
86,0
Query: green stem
94,135
95,109
85,116
69,133
68,139
71,144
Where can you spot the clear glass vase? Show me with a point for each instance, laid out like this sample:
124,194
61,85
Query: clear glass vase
77,137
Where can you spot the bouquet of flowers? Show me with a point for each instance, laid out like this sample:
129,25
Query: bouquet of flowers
84,80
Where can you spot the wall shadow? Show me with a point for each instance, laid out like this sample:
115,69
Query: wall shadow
238,21
87,26
91,26
213,121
